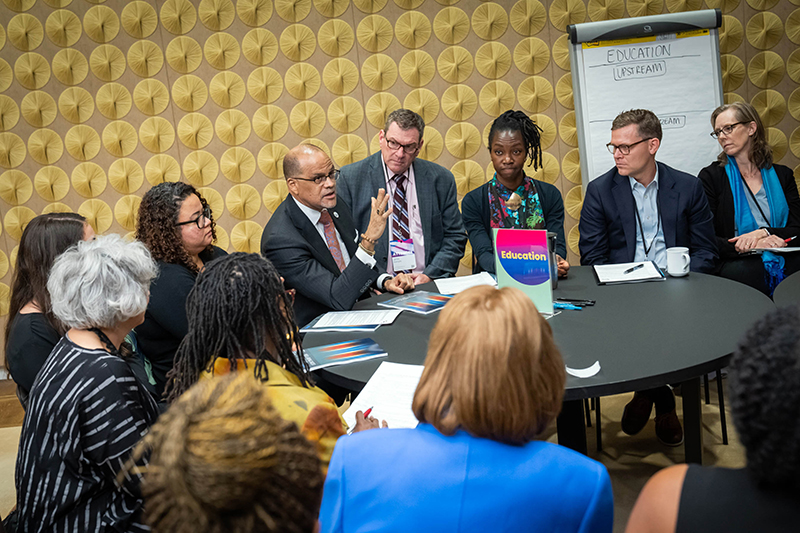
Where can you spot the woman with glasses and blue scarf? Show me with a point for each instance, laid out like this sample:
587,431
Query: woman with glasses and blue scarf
176,225
755,202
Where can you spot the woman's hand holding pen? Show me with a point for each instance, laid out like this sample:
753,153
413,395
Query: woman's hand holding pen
364,423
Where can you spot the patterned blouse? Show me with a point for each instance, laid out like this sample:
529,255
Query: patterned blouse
86,412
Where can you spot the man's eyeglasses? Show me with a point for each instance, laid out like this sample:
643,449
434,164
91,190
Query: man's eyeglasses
201,220
727,130
319,180
410,148
624,149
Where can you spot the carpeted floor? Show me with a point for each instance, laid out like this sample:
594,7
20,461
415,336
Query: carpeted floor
630,460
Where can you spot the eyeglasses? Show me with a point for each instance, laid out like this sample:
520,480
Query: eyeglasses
201,220
319,180
727,130
624,149
407,148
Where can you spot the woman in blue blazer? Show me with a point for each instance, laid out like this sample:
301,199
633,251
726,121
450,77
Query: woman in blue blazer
512,199
493,381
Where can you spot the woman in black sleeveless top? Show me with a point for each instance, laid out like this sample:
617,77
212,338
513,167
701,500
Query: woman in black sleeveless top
764,385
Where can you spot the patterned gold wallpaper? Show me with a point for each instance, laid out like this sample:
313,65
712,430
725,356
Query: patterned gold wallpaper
101,99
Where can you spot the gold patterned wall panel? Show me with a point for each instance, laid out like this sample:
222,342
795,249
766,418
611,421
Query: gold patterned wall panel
101,100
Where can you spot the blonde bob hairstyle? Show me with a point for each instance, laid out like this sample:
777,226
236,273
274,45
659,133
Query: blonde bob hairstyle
492,368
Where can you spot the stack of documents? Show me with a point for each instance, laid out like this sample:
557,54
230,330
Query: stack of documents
352,320
628,272
389,392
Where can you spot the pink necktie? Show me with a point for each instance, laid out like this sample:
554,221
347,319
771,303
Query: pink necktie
331,240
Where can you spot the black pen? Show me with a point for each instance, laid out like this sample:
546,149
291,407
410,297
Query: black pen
576,301
634,268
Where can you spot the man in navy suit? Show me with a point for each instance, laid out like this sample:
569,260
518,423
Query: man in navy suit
634,212
426,219
313,243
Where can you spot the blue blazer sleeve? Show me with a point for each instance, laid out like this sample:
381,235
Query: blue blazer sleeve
703,244
599,517
593,244
332,509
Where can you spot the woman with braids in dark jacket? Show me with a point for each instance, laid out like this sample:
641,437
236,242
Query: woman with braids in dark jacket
176,225
512,199
240,318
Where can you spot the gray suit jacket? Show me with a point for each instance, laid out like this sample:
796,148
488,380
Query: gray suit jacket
445,237
301,256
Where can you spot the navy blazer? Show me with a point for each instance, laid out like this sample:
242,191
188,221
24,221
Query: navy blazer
301,256
720,200
608,219
403,480
445,239
478,221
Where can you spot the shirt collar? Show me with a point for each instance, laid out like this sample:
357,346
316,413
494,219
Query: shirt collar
635,185
312,214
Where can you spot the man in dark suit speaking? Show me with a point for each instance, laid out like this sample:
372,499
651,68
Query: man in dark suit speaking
313,243
425,235
634,212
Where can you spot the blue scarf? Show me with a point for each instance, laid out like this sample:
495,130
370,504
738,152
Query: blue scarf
746,222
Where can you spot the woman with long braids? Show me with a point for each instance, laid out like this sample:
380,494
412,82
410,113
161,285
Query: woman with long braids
512,199
240,318
176,225
32,330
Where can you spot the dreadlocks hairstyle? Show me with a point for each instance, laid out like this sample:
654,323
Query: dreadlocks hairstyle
158,214
224,461
237,307
530,131
45,238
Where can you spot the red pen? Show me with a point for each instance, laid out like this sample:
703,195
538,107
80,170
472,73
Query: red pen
790,239
367,412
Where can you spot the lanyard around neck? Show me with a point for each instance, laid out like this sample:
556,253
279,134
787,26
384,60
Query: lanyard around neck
753,196
641,229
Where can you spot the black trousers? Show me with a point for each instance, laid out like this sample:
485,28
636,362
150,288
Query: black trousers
749,270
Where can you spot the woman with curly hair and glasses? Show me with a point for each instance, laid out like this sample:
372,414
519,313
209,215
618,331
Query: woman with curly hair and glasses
176,225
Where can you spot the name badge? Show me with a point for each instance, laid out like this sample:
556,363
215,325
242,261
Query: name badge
402,253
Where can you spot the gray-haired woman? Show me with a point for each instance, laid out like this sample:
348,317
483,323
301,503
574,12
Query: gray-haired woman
86,409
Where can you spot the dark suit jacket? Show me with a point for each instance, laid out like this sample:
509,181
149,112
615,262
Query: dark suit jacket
720,200
478,221
608,219
442,228
301,256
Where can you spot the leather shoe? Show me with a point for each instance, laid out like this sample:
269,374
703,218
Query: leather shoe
668,429
636,414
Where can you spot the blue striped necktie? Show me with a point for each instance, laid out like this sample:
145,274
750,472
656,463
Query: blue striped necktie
400,231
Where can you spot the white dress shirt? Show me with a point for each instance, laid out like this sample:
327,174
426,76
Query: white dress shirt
646,199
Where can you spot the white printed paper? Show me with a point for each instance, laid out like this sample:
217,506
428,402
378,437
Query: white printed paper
390,393
352,320
462,283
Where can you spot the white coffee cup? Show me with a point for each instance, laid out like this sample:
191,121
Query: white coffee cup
678,261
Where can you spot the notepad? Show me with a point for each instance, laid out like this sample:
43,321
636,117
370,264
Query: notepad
390,393
628,273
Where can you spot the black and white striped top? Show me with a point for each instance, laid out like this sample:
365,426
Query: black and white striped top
86,412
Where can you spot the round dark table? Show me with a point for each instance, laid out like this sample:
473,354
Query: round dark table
643,334
788,291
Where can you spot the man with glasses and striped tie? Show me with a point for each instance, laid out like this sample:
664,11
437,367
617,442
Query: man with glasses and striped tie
426,236
314,244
